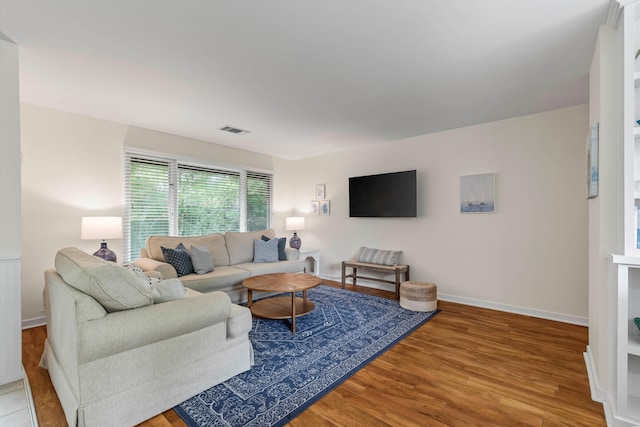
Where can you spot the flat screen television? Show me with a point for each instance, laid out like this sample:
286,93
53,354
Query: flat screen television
387,195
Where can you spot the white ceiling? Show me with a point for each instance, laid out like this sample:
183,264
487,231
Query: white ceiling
305,77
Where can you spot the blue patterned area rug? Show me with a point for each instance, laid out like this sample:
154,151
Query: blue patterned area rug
344,332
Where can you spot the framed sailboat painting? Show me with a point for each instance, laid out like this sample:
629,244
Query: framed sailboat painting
478,193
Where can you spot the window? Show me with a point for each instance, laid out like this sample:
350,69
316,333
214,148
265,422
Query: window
146,203
208,201
169,197
258,201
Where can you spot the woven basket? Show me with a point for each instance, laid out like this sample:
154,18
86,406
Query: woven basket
418,296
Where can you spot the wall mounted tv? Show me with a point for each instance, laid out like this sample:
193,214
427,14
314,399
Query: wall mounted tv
387,195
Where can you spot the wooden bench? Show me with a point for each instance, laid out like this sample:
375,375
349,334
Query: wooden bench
389,269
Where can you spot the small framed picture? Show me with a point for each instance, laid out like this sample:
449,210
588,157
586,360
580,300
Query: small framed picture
314,207
320,191
325,207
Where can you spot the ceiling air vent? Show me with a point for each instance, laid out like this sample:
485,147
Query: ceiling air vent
232,129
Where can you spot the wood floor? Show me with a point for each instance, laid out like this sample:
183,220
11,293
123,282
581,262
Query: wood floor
467,366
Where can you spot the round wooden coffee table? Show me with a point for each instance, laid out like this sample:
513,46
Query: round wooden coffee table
281,307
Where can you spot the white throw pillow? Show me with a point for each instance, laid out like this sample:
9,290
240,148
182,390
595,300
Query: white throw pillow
168,290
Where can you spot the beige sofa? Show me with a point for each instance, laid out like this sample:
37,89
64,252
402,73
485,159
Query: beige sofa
232,254
117,358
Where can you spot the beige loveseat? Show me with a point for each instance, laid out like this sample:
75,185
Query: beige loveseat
232,255
117,358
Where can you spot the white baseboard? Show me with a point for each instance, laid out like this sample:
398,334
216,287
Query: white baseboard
32,323
560,317
549,315
598,394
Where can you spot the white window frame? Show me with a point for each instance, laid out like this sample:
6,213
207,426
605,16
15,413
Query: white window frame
174,162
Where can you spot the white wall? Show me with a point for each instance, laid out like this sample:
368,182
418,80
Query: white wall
10,250
530,256
605,211
72,167
149,140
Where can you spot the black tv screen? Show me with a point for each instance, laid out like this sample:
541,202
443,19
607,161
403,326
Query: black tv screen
385,195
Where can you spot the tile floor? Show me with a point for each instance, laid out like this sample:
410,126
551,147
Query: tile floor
16,405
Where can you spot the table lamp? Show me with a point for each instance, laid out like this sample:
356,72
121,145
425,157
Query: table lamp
295,223
102,228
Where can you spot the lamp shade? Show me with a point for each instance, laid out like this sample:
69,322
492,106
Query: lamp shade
101,227
294,223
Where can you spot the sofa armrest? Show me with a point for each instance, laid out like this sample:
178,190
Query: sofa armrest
153,274
292,254
165,269
125,330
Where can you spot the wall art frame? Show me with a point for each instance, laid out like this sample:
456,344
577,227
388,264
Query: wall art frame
478,193
325,207
314,207
320,192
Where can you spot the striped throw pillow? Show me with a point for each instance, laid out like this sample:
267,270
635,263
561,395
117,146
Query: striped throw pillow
378,256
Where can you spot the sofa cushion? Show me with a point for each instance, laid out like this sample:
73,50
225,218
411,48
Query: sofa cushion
214,242
224,278
240,244
114,287
282,243
255,269
201,259
179,258
265,251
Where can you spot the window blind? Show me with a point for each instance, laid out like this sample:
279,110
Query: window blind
167,197
147,207
259,193
208,201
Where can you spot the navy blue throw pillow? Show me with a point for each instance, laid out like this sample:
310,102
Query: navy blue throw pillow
179,258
